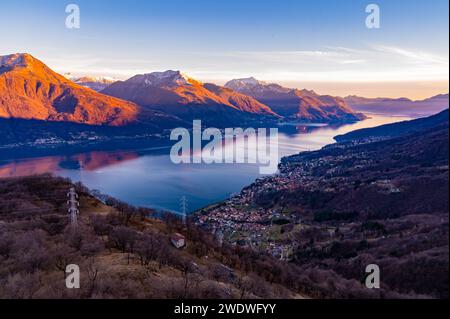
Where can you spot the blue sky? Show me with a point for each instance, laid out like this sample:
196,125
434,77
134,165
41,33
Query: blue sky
320,44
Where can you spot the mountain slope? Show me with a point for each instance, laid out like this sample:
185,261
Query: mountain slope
297,104
31,90
240,101
400,106
121,251
349,205
177,94
397,129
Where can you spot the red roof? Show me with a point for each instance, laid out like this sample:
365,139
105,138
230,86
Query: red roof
177,236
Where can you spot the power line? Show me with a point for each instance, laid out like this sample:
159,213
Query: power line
35,210
60,198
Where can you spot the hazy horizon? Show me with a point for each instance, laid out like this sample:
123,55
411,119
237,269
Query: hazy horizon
322,45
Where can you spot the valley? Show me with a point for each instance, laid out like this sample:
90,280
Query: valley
209,159
130,180
375,196
307,232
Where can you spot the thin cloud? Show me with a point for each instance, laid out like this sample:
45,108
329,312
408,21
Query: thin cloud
413,56
353,61
329,64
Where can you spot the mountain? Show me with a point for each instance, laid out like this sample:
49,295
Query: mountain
296,104
397,129
240,101
177,94
95,83
31,90
400,106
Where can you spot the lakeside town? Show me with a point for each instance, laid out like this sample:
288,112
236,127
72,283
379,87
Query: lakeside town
241,221
261,217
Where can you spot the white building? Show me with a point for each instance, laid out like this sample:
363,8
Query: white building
178,240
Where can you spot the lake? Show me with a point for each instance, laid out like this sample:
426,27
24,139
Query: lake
147,177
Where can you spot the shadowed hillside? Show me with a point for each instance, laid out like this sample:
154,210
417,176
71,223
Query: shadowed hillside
352,204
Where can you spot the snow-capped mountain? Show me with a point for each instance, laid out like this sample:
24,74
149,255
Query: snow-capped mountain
95,83
167,79
12,60
304,105
175,93
254,87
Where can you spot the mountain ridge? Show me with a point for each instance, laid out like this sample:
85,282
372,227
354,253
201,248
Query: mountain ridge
175,93
399,106
29,89
294,103
396,129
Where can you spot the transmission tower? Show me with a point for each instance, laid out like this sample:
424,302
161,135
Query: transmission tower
184,208
73,206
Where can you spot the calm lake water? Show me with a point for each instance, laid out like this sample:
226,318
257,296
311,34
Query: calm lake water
147,177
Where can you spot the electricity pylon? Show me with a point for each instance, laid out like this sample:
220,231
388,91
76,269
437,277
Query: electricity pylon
73,204
184,208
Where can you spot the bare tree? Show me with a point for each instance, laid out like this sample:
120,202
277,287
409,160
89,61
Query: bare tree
123,238
148,247
62,256
92,270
